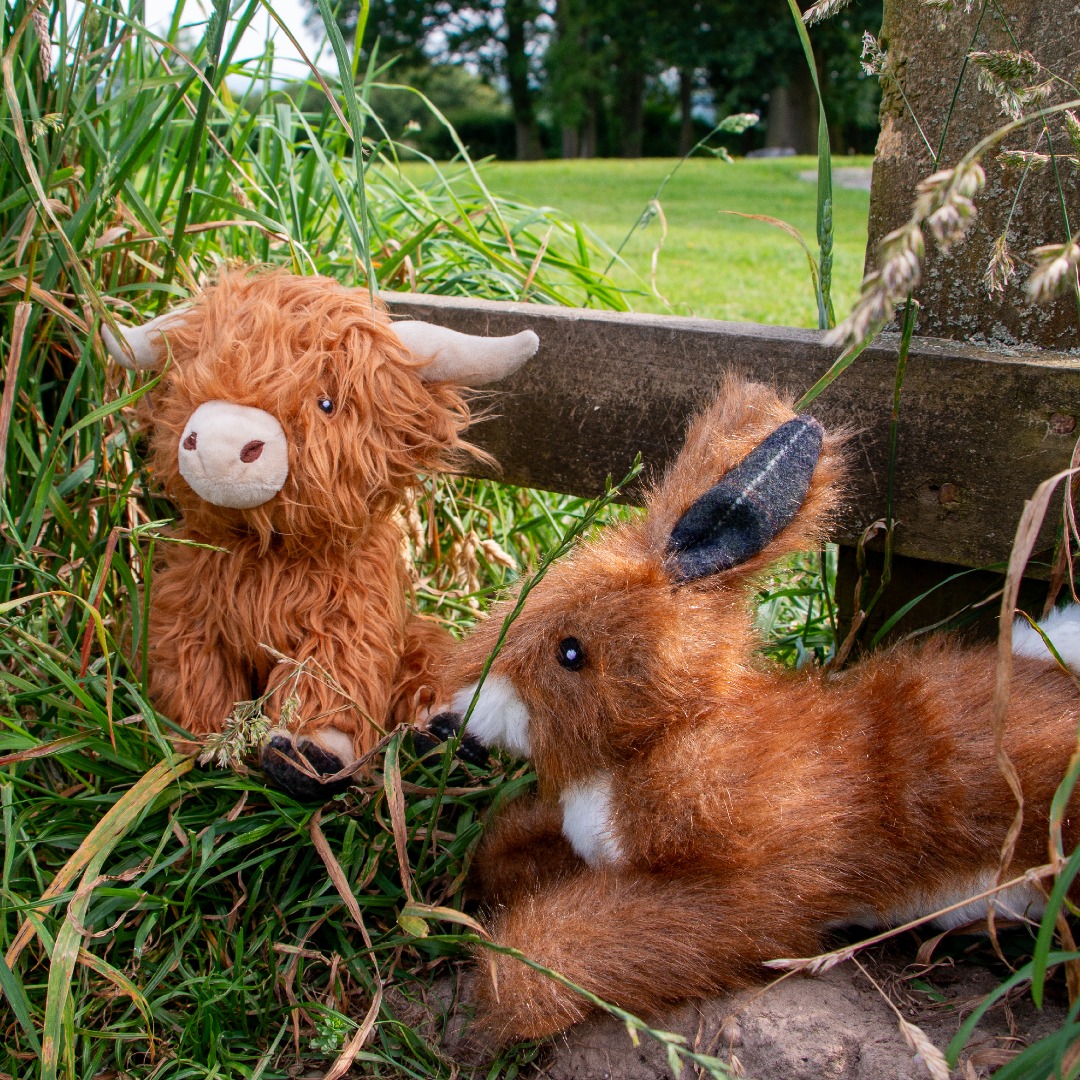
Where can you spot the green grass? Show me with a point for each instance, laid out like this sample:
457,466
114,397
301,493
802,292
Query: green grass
711,264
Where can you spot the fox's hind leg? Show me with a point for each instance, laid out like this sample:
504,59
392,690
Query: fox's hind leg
523,851
640,941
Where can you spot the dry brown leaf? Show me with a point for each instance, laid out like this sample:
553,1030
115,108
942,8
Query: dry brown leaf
11,375
395,800
1027,533
341,883
990,1057
815,965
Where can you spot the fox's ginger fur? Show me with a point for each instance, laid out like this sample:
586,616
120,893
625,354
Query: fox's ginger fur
699,810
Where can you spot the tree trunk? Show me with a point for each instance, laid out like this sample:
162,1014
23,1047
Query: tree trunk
561,59
588,128
589,137
631,106
527,135
527,141
954,301
686,105
793,115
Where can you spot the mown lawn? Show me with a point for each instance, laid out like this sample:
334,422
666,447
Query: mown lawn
711,263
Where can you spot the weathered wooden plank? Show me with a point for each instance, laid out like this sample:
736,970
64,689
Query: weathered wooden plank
979,430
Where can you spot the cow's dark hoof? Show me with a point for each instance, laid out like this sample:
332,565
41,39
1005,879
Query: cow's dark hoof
444,727
282,764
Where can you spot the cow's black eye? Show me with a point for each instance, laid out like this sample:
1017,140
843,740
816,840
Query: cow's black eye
326,405
571,654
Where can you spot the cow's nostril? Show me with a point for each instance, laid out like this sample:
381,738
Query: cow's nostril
191,441
251,451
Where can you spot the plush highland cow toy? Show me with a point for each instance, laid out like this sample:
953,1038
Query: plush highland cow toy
290,417
701,811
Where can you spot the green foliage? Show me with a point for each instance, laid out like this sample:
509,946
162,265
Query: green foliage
796,612
598,78
472,108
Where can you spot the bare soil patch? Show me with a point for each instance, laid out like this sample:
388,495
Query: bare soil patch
836,1026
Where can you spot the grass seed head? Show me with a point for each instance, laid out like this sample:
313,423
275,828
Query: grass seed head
245,730
1072,129
1001,269
900,257
875,60
822,10
1054,271
945,204
1025,159
40,20
1011,78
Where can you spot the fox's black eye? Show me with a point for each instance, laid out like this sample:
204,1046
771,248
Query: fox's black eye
326,405
571,654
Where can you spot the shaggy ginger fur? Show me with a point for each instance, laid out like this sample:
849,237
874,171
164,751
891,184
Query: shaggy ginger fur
315,573
701,811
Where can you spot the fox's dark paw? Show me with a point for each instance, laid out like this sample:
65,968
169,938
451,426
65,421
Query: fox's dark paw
444,727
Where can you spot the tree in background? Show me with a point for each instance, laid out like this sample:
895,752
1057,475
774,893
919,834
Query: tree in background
518,18
601,77
400,26
758,65
576,65
687,35
605,57
631,28
502,39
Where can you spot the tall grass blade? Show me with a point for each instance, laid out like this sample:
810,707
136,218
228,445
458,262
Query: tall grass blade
838,367
826,315
104,837
12,987
196,148
1047,926
356,125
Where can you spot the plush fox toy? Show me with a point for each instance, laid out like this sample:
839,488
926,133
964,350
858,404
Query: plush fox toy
289,417
701,811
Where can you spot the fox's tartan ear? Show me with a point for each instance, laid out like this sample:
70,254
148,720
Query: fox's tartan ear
738,517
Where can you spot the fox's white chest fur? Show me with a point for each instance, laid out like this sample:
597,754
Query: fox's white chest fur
587,820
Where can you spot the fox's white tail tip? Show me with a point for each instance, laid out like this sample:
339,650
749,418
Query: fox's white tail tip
1061,626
